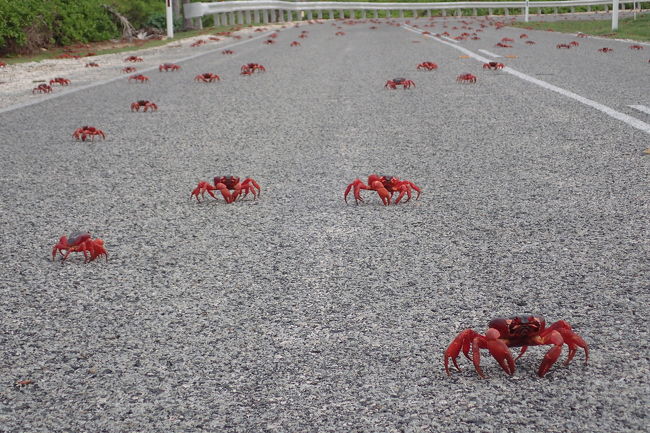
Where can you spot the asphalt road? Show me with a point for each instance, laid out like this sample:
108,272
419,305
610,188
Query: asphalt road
297,312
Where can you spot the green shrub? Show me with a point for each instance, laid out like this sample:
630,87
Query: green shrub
27,25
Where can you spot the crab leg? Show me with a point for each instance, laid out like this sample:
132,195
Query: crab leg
462,341
416,188
255,184
523,350
404,189
358,186
572,339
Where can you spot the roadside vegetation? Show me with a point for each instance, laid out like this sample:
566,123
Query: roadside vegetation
27,26
637,29
38,29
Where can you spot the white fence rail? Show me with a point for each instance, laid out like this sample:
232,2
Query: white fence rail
246,12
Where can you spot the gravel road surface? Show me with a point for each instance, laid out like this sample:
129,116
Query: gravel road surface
297,312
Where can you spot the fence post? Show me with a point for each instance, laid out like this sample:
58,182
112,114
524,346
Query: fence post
615,15
526,12
376,13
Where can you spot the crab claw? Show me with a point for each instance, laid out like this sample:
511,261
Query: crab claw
553,354
499,351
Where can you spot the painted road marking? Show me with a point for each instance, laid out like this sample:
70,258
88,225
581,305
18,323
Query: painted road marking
632,121
51,96
449,39
641,108
489,53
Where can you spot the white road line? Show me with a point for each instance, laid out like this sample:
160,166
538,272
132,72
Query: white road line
634,122
121,77
489,53
449,39
641,108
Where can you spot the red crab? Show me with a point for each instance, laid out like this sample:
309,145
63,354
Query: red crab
429,66
80,243
466,78
493,66
303,35
92,65
636,47
294,44
207,77
340,33
405,83
42,88
225,184
530,42
563,46
227,52
581,35
134,59
250,68
269,41
502,45
88,132
507,40
144,104
574,44
605,50
168,67
214,38
139,78
59,80
2,64
385,186
523,36
521,331
128,70
198,43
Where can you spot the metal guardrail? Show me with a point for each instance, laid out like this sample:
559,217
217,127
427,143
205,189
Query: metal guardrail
193,10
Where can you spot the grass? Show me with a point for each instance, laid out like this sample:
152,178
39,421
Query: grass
628,28
108,47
